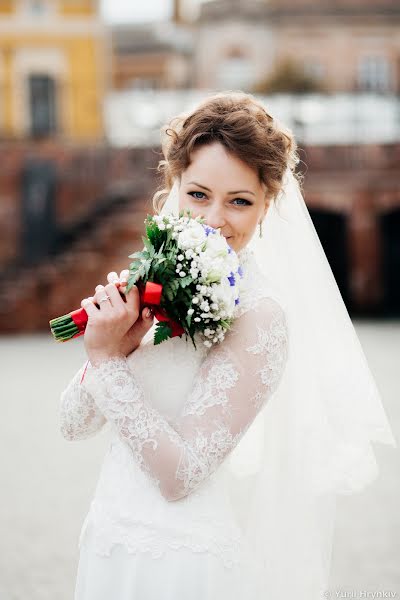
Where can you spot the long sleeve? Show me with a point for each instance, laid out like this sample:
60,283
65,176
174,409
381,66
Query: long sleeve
233,383
80,417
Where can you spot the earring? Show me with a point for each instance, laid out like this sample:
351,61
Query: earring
260,233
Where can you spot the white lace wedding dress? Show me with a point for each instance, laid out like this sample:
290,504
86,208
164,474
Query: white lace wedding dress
161,525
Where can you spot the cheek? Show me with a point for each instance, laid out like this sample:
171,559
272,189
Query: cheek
246,225
185,203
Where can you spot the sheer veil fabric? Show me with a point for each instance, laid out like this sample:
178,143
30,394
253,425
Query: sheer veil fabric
312,441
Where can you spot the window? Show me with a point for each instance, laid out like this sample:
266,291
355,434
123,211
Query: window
42,100
36,8
374,74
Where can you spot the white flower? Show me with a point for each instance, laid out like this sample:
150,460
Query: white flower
191,237
190,311
207,343
225,294
182,274
161,225
197,319
216,246
195,300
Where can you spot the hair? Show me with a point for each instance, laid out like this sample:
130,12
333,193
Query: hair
239,122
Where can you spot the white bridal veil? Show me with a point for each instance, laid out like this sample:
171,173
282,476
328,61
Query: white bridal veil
312,440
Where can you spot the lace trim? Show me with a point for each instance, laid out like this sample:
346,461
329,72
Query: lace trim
147,537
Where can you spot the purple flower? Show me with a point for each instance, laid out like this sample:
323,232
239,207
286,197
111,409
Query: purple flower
231,279
237,301
240,271
209,230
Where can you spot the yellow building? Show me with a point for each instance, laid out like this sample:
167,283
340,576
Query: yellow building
54,69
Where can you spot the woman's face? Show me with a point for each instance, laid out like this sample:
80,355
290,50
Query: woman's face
225,191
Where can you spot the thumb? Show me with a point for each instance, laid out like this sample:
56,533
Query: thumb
147,314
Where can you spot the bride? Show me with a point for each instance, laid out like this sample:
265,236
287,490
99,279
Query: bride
224,465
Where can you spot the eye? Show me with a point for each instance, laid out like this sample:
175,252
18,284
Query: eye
191,194
248,203
242,201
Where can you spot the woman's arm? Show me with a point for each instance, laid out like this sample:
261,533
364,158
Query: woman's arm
80,418
234,381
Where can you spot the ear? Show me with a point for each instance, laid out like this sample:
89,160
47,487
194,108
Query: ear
266,206
267,200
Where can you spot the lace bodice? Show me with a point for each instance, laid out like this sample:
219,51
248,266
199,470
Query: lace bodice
176,413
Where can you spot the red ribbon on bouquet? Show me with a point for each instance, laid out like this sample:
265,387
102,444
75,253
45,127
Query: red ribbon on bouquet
150,295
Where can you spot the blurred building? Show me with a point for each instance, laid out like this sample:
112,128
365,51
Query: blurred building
53,69
152,56
265,45
69,213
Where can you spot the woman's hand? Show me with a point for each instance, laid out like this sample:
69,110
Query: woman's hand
117,326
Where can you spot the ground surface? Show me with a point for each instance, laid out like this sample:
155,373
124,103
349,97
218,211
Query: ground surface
47,483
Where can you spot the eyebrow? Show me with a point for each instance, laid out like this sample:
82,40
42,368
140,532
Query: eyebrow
208,190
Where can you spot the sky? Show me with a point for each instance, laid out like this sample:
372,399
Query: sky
136,10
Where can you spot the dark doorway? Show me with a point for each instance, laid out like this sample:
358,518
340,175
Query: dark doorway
332,232
42,101
38,196
390,229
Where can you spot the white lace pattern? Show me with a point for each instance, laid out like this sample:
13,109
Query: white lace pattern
178,413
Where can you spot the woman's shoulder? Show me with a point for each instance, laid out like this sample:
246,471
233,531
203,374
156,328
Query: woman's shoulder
256,293
263,313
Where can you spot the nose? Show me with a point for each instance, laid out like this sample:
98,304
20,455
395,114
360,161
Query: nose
215,217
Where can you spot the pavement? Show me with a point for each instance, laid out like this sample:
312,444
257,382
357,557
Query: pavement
47,482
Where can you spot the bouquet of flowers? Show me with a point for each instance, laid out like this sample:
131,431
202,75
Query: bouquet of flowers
187,273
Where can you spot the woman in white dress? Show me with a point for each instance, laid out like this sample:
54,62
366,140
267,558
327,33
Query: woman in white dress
210,489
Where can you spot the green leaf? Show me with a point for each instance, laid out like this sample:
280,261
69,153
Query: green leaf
162,332
149,246
137,254
185,281
170,288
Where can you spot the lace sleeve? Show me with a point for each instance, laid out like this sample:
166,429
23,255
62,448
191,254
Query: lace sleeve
80,417
232,385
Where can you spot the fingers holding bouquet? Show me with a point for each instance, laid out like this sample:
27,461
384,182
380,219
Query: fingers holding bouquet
119,280
115,326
